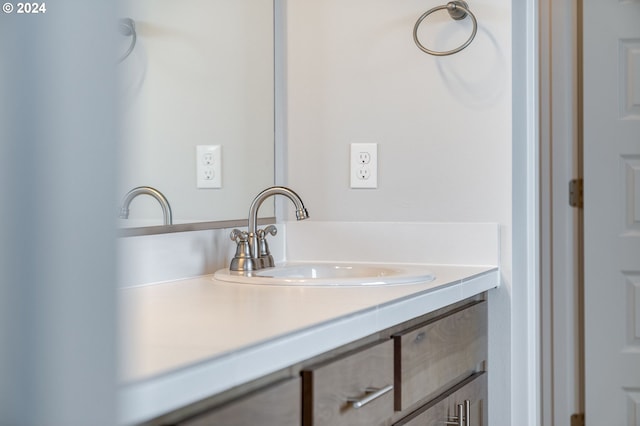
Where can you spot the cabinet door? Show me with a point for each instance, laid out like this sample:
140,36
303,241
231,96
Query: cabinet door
278,405
468,400
435,356
331,391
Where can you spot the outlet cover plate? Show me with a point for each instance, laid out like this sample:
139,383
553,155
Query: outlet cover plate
208,166
363,168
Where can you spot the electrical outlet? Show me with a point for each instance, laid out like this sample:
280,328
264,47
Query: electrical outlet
364,157
364,165
208,166
363,173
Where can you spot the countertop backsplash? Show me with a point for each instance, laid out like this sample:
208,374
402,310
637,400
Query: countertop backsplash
165,257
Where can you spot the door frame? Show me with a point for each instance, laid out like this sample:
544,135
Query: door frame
562,372
525,216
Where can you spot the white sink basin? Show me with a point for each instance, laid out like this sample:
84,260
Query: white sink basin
331,274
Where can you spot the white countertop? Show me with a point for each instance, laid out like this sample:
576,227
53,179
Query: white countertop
189,339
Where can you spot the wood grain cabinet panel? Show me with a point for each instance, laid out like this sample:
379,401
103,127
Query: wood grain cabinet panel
278,405
468,399
328,389
434,356
425,372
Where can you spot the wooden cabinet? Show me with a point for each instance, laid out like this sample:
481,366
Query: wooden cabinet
437,355
464,405
278,405
426,372
352,390
425,362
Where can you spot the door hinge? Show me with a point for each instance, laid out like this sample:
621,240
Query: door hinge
576,198
577,420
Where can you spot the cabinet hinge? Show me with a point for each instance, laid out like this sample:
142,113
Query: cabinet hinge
575,193
577,420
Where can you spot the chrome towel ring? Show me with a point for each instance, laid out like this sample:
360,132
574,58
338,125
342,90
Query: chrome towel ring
458,10
128,28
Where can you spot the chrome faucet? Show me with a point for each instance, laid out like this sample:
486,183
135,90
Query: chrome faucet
253,244
164,203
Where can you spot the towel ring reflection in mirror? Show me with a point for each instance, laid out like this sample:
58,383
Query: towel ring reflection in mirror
127,27
458,10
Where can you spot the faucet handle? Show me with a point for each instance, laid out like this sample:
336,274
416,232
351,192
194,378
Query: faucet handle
264,255
271,229
239,236
242,261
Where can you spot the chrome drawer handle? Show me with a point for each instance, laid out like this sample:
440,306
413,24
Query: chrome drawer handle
463,417
371,394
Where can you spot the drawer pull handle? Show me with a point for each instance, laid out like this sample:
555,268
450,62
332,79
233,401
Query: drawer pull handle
463,417
371,394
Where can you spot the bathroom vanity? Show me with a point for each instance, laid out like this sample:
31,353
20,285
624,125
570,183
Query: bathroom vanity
387,355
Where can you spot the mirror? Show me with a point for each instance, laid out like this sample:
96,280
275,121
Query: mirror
201,73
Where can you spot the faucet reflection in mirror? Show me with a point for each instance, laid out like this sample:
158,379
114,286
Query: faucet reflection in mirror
252,252
148,190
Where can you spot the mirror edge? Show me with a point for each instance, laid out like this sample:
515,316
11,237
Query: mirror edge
185,227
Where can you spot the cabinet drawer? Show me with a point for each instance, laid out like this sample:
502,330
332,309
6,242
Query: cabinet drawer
469,400
329,389
432,357
277,405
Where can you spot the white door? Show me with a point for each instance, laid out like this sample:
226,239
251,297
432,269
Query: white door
611,49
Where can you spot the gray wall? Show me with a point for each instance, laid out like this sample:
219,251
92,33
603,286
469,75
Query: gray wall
443,127
57,191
